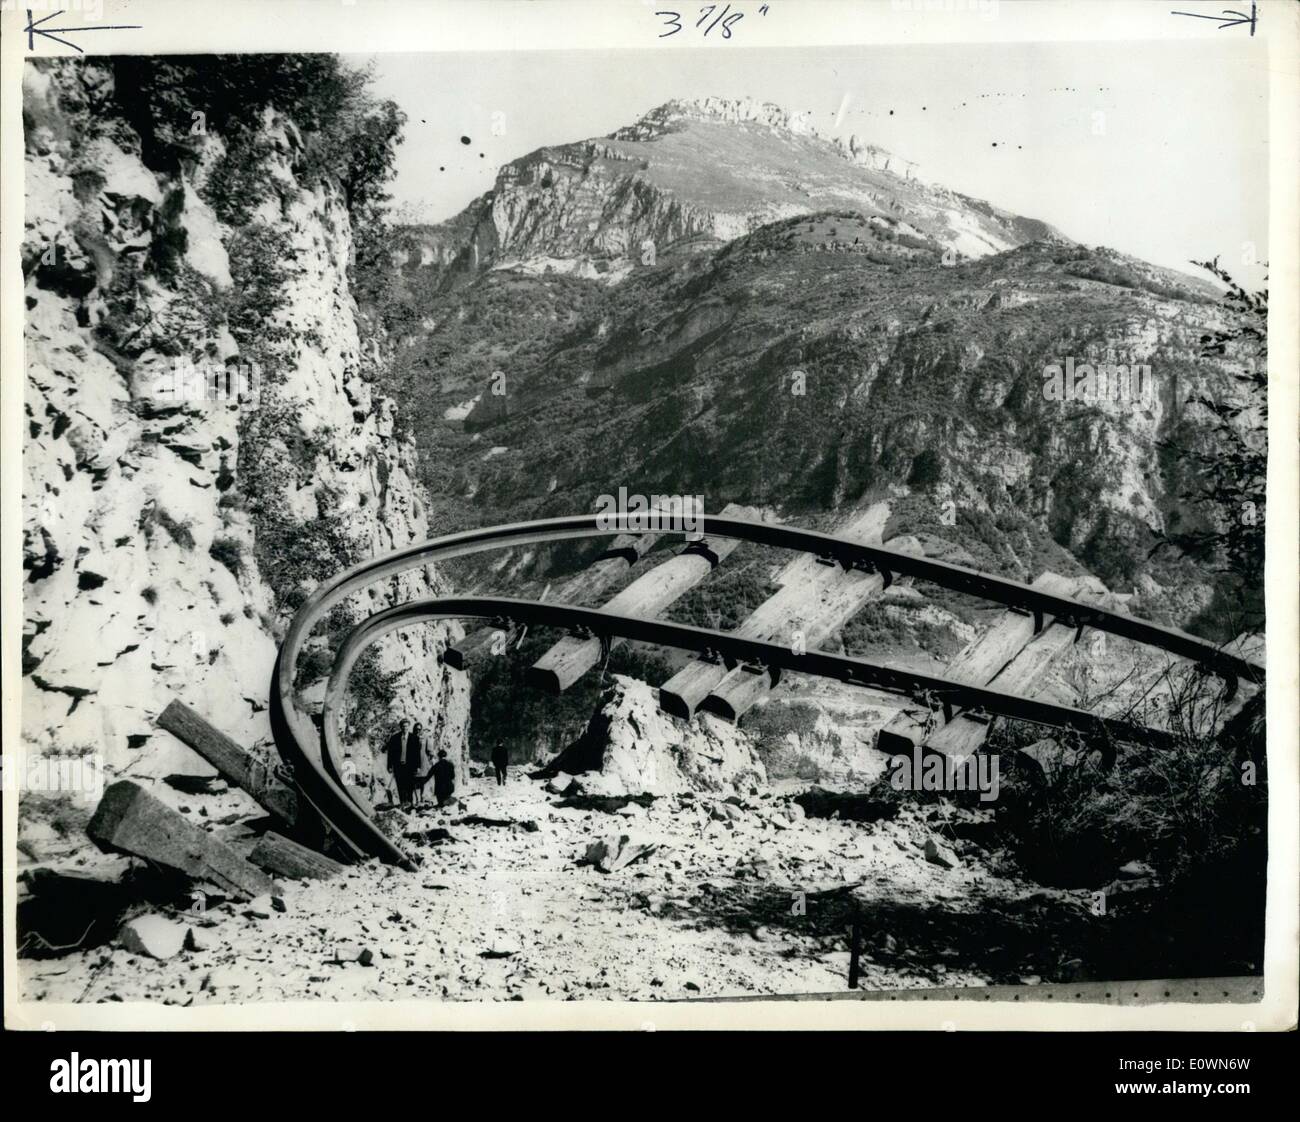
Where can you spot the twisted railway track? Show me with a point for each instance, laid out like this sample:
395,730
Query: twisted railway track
315,759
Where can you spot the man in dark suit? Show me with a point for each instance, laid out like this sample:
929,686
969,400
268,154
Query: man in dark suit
395,759
500,761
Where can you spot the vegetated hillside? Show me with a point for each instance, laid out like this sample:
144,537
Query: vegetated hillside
689,177
201,210
823,360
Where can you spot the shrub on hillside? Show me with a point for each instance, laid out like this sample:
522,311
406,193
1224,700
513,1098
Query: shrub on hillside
229,552
1089,806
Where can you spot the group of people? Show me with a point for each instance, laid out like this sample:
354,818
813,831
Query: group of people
406,754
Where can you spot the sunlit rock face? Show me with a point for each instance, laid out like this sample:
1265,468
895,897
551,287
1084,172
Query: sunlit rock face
164,547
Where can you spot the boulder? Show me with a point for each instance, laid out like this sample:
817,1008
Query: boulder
617,851
630,746
938,854
1133,870
152,935
352,952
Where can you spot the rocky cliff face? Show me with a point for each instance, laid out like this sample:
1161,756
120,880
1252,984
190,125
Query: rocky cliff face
204,442
689,176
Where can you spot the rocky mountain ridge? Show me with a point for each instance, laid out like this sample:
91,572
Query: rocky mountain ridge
688,177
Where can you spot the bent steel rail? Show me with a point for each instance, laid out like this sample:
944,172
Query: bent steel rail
852,671
315,758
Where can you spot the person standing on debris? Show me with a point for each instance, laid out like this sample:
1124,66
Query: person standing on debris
444,779
500,761
394,757
413,760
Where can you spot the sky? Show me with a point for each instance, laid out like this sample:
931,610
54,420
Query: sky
1157,149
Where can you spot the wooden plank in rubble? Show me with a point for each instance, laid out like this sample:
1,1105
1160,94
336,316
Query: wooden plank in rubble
235,763
132,821
287,858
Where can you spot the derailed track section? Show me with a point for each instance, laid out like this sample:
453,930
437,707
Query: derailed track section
314,758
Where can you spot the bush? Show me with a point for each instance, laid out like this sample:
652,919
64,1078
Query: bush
179,532
927,469
348,136
371,690
229,552
1184,809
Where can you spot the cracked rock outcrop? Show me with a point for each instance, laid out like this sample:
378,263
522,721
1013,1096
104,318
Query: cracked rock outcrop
198,415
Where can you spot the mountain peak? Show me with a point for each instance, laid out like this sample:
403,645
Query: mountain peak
691,175
730,110
679,112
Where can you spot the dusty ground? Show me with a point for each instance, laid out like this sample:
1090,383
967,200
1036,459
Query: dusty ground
760,903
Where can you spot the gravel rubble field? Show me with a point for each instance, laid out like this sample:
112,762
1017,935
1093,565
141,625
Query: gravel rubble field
739,896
